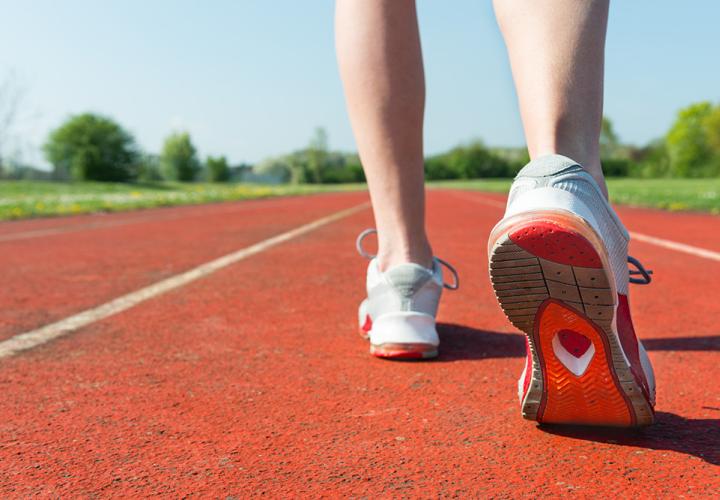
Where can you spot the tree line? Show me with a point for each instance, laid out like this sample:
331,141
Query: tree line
690,148
95,147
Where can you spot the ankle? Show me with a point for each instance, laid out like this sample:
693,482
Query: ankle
393,254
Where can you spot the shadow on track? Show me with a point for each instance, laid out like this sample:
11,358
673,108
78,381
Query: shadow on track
464,342
697,437
683,344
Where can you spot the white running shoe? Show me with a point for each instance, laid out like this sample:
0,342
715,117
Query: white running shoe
558,264
398,316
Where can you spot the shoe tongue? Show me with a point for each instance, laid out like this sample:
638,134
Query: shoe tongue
547,166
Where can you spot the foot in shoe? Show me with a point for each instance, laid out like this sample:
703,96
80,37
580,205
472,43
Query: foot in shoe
398,315
558,265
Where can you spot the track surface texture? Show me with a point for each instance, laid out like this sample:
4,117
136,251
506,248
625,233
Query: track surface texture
253,381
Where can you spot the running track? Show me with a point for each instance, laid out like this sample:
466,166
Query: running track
251,379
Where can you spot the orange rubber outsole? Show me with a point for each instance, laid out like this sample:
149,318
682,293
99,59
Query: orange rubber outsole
593,398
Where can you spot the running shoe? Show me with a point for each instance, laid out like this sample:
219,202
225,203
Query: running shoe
398,315
559,268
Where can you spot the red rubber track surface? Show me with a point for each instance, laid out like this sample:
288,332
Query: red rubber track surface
91,260
254,381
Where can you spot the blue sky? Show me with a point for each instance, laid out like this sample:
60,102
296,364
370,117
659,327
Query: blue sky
250,79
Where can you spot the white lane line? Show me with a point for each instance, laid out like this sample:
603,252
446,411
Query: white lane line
669,244
44,334
674,245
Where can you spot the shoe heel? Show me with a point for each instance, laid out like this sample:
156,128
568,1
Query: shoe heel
404,335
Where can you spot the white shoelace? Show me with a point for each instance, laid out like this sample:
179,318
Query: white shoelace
359,246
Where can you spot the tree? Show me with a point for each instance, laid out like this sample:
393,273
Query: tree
179,158
218,169
149,169
651,160
317,154
712,128
92,147
688,143
474,161
437,168
274,170
609,140
11,96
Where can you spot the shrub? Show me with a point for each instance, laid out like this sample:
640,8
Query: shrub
149,169
437,168
471,161
616,167
92,147
217,169
691,142
179,158
650,161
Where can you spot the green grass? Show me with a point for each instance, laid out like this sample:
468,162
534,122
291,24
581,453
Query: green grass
669,194
24,199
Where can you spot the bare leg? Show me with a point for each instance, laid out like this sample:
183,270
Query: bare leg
378,49
557,52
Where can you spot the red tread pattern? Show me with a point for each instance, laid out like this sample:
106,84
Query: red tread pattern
555,243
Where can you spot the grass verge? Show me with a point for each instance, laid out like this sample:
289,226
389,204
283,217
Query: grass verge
24,199
669,194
